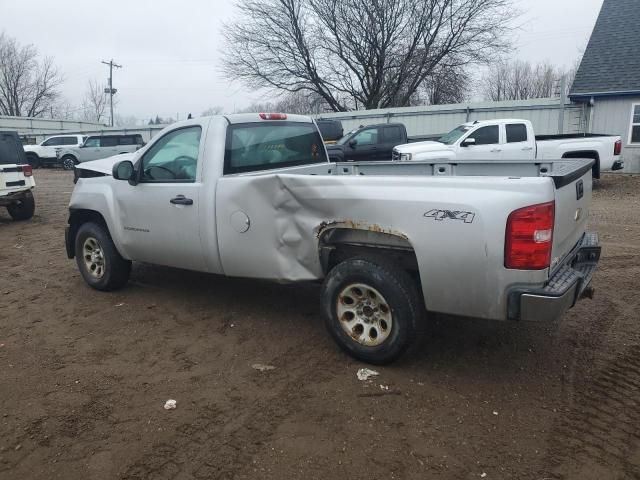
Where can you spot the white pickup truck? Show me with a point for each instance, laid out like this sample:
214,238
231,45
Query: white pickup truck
16,178
512,139
254,195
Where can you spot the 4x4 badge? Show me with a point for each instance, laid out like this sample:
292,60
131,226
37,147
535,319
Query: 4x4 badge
440,215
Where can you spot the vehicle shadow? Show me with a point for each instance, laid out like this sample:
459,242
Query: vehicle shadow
466,347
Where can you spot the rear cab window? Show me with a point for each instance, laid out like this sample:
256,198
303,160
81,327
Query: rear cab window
270,145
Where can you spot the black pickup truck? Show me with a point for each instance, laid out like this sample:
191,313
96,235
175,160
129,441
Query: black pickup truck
370,142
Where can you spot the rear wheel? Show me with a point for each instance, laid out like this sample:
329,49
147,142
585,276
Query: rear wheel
24,208
372,309
34,160
69,162
99,262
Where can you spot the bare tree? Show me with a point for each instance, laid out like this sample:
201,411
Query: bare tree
28,86
95,102
520,80
360,53
217,110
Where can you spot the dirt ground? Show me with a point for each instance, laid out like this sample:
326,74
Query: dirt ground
84,375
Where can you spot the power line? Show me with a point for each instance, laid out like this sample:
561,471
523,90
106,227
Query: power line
110,90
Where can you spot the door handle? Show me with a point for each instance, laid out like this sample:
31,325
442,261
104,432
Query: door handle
181,200
497,150
527,149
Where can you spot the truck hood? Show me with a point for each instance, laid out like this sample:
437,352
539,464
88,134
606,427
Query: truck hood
422,147
105,165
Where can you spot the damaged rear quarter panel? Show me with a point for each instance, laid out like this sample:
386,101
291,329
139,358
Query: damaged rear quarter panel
460,262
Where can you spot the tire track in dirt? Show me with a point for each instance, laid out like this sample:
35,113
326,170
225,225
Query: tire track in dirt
221,441
601,432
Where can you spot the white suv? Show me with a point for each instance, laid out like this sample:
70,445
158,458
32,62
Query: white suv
45,153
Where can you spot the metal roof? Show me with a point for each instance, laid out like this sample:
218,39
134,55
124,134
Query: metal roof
611,63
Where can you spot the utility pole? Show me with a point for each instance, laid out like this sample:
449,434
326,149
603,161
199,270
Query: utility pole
110,90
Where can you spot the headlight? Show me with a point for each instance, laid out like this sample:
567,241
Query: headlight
405,157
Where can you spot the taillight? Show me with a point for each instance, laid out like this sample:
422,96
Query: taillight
617,147
273,116
27,170
529,237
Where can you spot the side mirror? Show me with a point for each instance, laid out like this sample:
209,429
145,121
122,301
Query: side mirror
353,142
468,142
124,171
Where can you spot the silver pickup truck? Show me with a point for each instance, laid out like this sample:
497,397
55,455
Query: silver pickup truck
253,195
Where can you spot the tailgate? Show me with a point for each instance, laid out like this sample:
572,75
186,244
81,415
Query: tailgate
11,160
573,184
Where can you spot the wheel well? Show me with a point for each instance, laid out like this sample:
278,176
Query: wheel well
587,154
76,219
339,244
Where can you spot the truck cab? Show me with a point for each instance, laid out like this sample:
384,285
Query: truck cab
508,139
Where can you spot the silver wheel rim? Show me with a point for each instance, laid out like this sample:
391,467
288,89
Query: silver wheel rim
364,314
93,257
68,164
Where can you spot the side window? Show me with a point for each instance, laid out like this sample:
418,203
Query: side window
391,134
69,141
126,141
109,141
367,137
487,135
516,132
173,158
92,142
52,142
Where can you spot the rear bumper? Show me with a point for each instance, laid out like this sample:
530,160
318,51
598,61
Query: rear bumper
617,165
13,197
568,284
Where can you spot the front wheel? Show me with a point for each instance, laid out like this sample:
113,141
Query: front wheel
24,208
99,262
372,309
69,162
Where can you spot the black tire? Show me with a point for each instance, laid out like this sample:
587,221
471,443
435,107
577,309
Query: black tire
399,292
24,208
68,162
115,269
34,160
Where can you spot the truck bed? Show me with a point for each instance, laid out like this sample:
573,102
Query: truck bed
568,136
562,171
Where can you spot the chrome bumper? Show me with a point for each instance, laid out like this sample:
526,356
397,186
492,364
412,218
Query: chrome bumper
568,284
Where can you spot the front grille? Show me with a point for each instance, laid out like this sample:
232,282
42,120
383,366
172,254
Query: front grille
395,156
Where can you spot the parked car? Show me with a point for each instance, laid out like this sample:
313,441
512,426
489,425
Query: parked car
16,178
512,139
331,131
45,152
99,146
371,142
253,195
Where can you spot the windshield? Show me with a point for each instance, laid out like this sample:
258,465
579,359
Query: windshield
451,137
344,139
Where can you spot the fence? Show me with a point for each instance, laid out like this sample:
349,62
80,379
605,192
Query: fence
549,116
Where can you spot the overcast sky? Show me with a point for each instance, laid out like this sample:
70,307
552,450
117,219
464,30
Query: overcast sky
170,50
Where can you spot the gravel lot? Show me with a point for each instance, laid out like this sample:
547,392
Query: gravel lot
84,375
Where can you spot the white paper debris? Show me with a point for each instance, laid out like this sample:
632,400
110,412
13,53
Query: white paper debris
170,405
483,475
495,413
262,368
365,374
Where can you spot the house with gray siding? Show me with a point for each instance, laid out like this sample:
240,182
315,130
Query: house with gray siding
608,80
